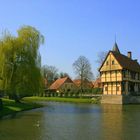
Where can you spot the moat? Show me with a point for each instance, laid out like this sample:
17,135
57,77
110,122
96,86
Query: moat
69,121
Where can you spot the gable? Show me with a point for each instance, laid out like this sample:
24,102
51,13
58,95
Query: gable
60,82
68,80
68,85
110,63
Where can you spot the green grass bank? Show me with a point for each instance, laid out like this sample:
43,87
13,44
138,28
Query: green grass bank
10,107
28,103
61,99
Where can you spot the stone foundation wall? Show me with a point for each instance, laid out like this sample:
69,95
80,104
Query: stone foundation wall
111,99
131,99
120,99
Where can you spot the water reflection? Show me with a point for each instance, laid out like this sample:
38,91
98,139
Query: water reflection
112,121
131,122
24,126
65,121
71,122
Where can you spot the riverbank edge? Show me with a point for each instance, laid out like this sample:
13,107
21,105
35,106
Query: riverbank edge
10,107
62,99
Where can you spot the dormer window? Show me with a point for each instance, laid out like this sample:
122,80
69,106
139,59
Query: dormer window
113,62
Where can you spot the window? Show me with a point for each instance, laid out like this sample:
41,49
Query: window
106,62
124,74
113,62
106,88
139,87
118,88
133,75
123,86
68,90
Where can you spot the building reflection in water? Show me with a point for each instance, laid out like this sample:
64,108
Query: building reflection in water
112,117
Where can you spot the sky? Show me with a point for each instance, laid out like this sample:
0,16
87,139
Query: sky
76,27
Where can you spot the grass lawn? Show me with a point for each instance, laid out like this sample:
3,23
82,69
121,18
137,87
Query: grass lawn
58,99
10,107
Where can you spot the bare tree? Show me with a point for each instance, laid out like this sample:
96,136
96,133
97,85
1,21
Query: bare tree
82,68
101,57
50,73
63,74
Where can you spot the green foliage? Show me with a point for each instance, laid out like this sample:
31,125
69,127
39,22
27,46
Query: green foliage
1,104
20,63
95,100
96,91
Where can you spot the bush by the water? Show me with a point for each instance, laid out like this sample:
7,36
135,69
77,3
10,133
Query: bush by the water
73,93
95,100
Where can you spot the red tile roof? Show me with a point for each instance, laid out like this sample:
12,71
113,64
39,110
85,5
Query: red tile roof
59,82
126,62
97,83
77,82
86,83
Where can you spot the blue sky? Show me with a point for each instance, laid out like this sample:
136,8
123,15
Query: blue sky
76,27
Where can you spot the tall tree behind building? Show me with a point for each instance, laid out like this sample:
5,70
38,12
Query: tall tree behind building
50,73
63,74
82,69
100,58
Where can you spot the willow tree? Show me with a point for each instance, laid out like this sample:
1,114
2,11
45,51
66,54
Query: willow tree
20,63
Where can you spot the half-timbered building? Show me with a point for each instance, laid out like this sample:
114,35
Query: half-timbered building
120,74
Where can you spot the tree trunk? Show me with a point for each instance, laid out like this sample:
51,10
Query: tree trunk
1,104
16,98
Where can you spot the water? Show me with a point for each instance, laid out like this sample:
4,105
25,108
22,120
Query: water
67,121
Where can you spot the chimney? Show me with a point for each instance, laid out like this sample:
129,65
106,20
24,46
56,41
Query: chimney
129,55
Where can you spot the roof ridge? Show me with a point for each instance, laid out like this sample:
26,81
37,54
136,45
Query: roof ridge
126,62
58,83
126,57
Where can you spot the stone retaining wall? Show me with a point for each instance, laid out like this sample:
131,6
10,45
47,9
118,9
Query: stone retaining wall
120,99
